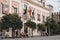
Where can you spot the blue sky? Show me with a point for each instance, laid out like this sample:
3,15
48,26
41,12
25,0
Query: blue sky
55,3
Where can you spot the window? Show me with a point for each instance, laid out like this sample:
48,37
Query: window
25,16
38,17
14,10
43,18
44,4
39,0
33,13
4,8
32,17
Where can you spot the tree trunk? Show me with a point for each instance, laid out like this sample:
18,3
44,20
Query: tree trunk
3,34
13,33
49,31
32,32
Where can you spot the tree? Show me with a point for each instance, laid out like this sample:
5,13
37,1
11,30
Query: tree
51,25
58,26
0,26
11,21
41,27
31,25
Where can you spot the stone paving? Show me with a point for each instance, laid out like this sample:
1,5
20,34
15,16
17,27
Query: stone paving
37,38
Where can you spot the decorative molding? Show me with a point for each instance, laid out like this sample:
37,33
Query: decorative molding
38,5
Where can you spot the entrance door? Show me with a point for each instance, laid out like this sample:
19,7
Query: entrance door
25,28
16,31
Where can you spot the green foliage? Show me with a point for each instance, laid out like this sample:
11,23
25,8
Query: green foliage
59,23
58,26
31,24
11,20
41,27
51,23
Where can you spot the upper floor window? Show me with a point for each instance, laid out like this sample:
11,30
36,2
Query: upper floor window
43,18
39,0
38,16
44,4
14,9
33,13
4,8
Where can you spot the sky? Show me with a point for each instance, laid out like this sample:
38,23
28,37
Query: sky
55,3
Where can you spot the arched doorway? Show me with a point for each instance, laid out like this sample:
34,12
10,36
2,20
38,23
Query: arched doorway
25,28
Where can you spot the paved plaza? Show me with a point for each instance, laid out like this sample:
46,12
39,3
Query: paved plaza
37,38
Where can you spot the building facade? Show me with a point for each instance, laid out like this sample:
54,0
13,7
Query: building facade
56,16
9,6
34,10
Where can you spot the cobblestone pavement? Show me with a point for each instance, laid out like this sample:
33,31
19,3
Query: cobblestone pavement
37,38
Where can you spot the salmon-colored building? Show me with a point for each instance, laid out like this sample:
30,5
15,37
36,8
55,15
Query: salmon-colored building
34,10
9,6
